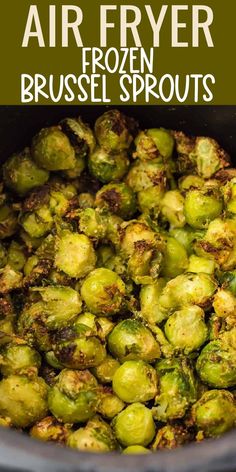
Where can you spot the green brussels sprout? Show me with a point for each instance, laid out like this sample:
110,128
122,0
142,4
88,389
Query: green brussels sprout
21,174
224,304
145,174
113,130
50,430
74,254
150,308
172,209
19,359
79,134
96,436
171,437
31,327
149,200
131,340
215,413
216,365
16,257
189,182
202,206
136,450
51,150
77,349
109,404
136,234
135,381
105,371
209,157
219,243
86,200
92,223
23,400
175,259
8,221
187,289
229,193
186,329
113,223
10,280
107,166
37,223
74,396
134,426
118,199
58,305
187,237
153,143
103,292
177,389
144,265
201,264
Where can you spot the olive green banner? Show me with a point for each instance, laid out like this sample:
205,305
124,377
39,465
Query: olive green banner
117,52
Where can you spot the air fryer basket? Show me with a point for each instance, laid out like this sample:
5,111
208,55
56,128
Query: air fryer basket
17,451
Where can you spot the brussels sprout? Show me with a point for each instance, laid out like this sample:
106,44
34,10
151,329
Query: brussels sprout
49,429
224,304
51,150
76,349
103,292
58,305
31,327
175,259
80,135
74,396
177,389
171,437
201,264
188,289
134,426
23,400
187,237
21,174
118,199
8,221
149,200
145,174
109,404
209,156
131,340
19,359
229,193
189,182
113,130
145,263
16,257
136,450
106,370
92,223
219,243
96,436
10,279
153,143
135,234
37,223
107,166
74,254
150,308
186,329
172,209
216,365
86,200
135,381
215,413
202,206
53,361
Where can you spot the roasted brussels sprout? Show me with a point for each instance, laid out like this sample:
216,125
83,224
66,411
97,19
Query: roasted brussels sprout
19,359
134,426
118,199
202,206
113,130
50,430
135,381
23,400
105,372
21,174
131,340
216,365
215,412
108,166
175,259
136,450
153,143
109,404
96,436
74,396
171,437
103,292
74,254
51,150
172,209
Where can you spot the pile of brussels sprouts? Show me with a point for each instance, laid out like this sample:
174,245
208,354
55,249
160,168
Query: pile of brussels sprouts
118,287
